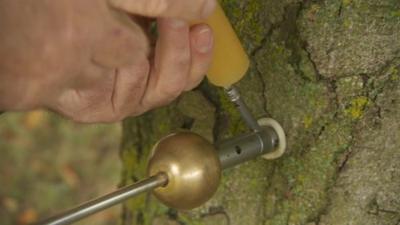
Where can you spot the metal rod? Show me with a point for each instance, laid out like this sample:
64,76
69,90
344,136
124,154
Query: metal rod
248,118
96,205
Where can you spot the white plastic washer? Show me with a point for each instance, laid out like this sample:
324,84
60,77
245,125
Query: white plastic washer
268,122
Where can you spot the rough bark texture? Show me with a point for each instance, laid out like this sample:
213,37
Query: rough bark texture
329,72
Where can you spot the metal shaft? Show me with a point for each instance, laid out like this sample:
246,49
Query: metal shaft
248,118
96,205
246,147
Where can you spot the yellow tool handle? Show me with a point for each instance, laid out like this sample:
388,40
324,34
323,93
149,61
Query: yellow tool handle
230,61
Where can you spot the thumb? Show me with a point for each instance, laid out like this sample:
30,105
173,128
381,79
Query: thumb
182,9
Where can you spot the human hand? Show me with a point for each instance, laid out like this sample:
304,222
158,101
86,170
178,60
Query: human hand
93,63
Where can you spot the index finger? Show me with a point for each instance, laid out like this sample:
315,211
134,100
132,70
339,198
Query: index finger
182,9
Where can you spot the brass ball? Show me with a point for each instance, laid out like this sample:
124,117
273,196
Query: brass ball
192,166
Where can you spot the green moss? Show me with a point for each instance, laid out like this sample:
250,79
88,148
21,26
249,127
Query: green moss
189,220
395,14
307,121
246,20
347,2
236,124
395,77
357,107
347,23
313,10
310,174
394,73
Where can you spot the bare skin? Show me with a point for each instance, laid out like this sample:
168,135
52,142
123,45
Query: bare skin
91,62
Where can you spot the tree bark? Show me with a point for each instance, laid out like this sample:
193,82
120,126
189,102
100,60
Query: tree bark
329,72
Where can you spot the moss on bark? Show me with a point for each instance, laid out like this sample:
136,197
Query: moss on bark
323,69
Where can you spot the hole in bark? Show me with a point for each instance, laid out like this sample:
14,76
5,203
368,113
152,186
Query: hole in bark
238,150
187,123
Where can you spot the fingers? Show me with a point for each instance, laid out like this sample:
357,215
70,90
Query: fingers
201,44
183,9
182,58
171,65
110,99
129,87
120,43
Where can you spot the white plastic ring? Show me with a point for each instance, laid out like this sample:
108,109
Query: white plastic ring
281,148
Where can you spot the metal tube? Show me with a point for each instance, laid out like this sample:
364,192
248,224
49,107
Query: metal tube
246,147
96,205
235,98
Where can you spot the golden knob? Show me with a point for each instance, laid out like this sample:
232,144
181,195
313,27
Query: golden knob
192,166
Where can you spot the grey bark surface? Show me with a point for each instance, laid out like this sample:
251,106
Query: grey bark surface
329,72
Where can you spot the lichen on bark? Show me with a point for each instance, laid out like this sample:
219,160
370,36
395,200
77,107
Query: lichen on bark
328,71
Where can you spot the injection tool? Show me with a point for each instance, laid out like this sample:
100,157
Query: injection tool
184,170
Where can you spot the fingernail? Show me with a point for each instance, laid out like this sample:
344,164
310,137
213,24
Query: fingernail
177,23
204,40
209,8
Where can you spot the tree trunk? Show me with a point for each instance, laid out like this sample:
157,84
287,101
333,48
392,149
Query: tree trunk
329,72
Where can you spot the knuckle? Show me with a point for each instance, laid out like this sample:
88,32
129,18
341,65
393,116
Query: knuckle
206,8
128,6
132,38
182,61
116,3
142,69
203,6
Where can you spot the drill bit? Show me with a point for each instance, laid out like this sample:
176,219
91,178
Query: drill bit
235,98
